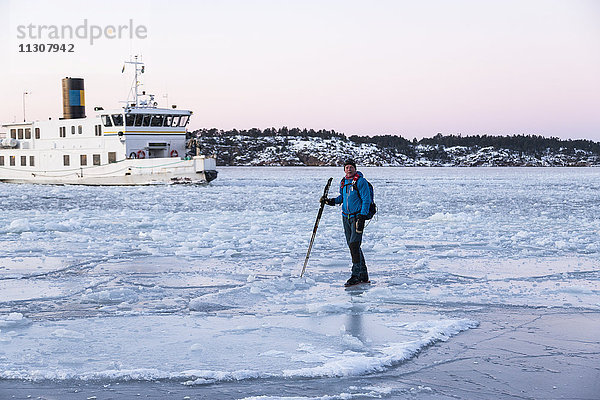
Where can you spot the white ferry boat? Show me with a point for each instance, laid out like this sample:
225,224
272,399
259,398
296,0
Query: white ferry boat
139,144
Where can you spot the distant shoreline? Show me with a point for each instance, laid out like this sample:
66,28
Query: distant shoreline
416,166
328,148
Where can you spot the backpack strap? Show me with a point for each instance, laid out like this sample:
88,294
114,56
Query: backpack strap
354,180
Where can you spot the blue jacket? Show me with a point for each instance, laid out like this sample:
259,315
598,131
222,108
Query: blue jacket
354,202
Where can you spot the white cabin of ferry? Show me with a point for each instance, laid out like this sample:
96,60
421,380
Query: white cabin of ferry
105,138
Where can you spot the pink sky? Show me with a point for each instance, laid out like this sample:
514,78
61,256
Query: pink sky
413,68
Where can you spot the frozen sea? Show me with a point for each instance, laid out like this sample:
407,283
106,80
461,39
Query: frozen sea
199,286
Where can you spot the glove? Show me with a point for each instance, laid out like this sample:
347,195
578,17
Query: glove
360,223
329,202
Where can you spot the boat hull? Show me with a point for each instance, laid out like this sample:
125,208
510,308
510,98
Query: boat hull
129,172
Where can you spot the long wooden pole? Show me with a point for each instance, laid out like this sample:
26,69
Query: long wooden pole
312,239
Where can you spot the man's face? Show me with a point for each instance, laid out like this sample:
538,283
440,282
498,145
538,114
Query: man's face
349,170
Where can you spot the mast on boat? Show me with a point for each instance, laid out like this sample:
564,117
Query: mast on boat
138,103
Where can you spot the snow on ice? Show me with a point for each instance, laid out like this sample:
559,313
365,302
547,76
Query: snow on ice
200,283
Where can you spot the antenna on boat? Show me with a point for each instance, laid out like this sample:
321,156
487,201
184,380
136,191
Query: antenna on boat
139,69
141,99
24,93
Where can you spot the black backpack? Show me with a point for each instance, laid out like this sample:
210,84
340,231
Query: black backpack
372,206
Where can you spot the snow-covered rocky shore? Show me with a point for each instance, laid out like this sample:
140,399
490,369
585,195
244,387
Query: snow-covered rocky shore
241,150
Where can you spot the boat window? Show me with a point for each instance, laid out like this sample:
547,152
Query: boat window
184,120
157,120
73,130
175,120
168,120
63,131
129,118
66,161
13,133
138,119
31,161
1,160
37,133
80,129
12,161
112,157
146,120
27,133
20,131
98,130
82,159
106,120
96,159
117,119
23,161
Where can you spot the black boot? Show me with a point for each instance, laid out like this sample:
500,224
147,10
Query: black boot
354,280
364,277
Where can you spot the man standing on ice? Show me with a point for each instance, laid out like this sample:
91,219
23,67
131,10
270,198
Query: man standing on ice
355,198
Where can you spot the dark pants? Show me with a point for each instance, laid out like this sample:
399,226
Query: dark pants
354,240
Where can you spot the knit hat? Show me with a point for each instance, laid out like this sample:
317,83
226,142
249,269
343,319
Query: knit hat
350,161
